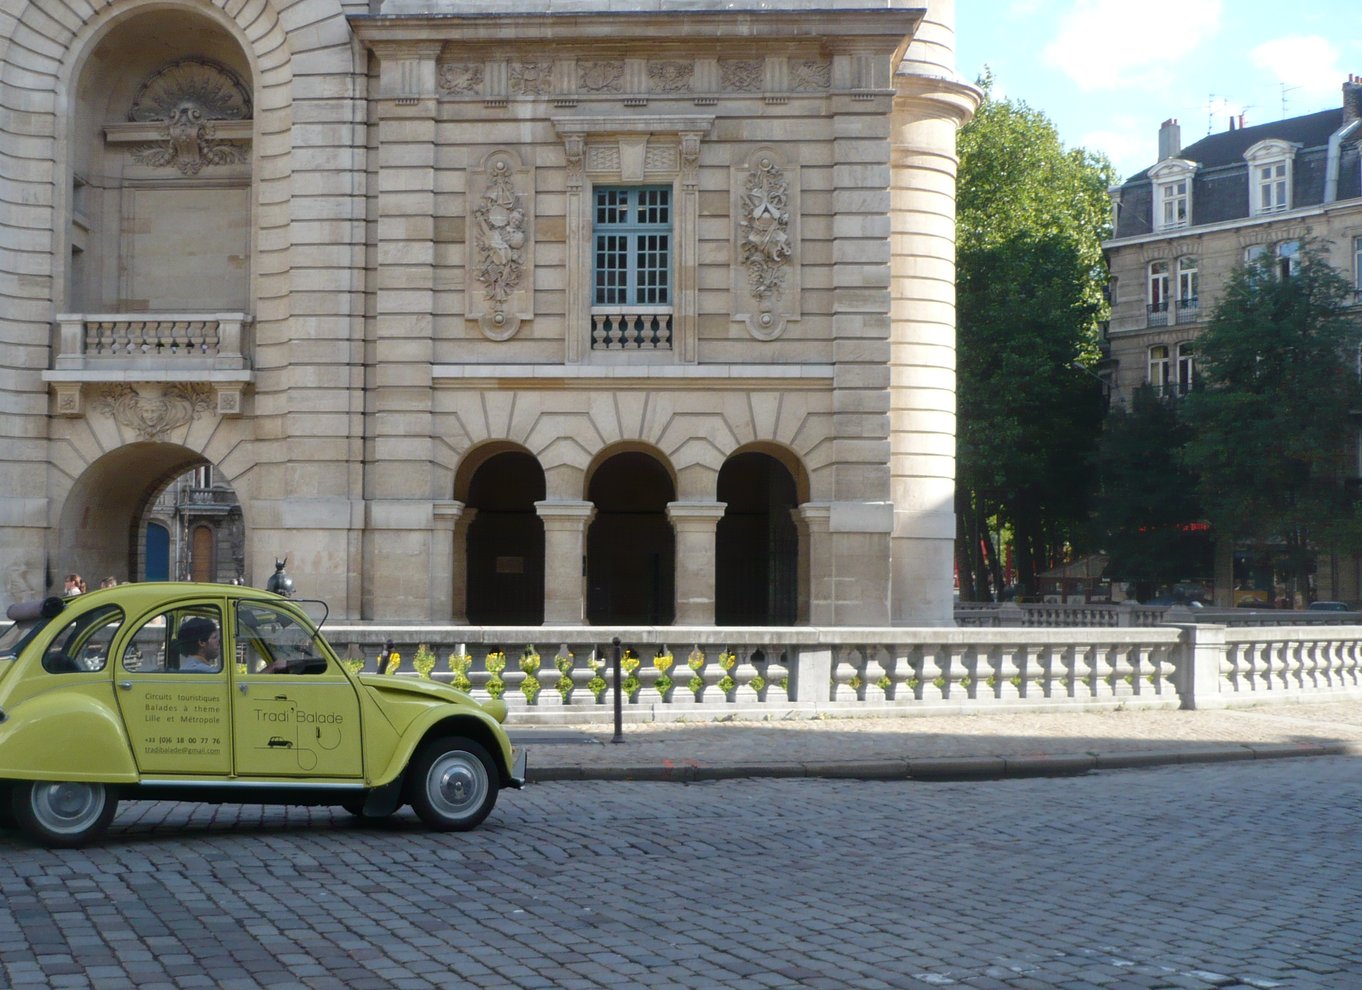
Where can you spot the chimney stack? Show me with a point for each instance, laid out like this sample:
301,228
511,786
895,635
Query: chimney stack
1170,139
1352,99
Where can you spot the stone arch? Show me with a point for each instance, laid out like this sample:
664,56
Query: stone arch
630,545
100,524
757,543
503,540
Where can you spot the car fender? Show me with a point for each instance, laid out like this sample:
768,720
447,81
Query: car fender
451,720
58,735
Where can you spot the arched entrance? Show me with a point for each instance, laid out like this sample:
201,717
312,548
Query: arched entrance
630,546
147,512
756,580
506,542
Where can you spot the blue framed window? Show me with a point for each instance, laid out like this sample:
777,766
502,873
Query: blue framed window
632,246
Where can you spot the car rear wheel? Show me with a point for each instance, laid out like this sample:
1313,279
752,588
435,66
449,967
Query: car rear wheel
453,784
60,814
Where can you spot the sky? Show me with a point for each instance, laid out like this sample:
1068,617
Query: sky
1108,72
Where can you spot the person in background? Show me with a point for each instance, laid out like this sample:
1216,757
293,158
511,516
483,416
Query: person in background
109,582
200,646
389,659
75,585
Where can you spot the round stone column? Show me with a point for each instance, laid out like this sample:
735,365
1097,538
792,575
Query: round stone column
930,105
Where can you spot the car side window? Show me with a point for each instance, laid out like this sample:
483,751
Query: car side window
83,644
273,641
180,640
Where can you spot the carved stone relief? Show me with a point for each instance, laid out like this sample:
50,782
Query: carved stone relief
532,78
499,249
811,74
765,213
461,78
742,75
185,98
605,76
153,411
670,76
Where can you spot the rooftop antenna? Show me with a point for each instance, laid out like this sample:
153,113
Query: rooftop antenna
1286,89
1210,113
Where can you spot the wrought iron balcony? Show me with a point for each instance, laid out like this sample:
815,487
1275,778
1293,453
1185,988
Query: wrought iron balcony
1157,314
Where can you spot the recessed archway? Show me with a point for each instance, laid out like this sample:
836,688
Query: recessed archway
505,549
756,562
630,546
139,513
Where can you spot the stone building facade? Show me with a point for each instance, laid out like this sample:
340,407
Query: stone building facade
1185,223
490,312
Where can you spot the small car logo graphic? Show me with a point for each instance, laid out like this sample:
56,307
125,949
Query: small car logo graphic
279,742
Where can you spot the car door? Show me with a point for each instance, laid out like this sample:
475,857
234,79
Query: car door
295,713
176,719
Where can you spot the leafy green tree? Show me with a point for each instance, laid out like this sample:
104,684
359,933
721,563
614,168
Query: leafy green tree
1147,512
1030,221
1272,430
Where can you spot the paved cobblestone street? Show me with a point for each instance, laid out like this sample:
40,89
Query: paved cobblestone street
1228,875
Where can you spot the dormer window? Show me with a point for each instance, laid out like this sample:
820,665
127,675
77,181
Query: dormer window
1269,164
1172,193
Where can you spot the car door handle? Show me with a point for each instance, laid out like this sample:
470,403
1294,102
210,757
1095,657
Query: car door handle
125,685
243,687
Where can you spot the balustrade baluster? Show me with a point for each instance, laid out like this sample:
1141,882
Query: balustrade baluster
876,678
1007,665
664,332
743,673
631,329
777,674
846,675
1121,671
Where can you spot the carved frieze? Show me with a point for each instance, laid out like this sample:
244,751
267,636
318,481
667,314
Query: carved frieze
461,78
744,75
604,76
670,76
500,194
153,411
811,74
185,98
532,77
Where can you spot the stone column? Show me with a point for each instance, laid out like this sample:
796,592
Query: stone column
565,523
695,524
930,104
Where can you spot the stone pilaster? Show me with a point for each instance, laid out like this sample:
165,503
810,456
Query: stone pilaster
442,558
815,556
695,524
400,482
565,522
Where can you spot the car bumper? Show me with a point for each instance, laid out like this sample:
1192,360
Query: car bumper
519,760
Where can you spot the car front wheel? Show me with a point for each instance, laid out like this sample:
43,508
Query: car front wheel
62,815
453,784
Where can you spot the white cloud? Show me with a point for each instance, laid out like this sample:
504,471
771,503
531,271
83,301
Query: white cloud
1114,43
1129,149
1306,63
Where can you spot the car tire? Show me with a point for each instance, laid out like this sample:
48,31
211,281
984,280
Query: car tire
452,784
62,815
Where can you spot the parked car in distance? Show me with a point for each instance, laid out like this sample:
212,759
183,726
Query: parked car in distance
224,694
1330,607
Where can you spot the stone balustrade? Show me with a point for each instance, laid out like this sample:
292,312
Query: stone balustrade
91,342
706,673
642,328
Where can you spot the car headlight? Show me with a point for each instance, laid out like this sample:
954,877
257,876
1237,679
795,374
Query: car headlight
496,708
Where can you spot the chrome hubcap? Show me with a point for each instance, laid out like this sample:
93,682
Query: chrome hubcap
63,807
458,783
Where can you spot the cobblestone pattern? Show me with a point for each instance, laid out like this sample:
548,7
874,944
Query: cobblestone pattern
1185,878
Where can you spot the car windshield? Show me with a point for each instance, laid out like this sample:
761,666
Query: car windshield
16,637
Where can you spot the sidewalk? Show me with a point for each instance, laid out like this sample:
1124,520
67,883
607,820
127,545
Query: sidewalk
940,746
